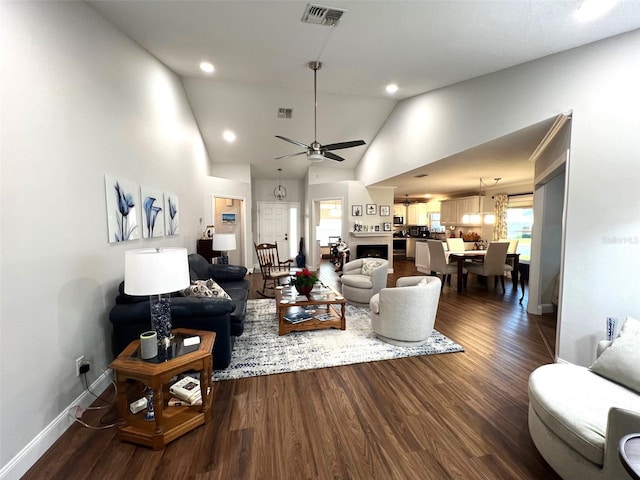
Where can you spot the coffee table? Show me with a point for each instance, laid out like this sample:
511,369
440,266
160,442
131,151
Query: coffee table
323,301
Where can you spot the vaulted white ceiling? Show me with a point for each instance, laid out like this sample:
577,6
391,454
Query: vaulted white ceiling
260,50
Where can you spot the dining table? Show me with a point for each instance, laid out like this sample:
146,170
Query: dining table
461,256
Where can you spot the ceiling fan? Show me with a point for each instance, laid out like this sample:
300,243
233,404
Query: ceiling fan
315,151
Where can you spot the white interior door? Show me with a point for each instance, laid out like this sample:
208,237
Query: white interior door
273,226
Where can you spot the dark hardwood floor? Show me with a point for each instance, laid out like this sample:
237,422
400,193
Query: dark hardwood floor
459,415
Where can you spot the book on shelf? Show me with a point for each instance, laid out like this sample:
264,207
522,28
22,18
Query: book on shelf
297,317
187,388
176,402
326,316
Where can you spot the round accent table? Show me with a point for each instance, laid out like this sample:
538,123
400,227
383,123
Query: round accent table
630,454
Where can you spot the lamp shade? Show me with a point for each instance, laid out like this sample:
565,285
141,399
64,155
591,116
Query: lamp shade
154,271
224,241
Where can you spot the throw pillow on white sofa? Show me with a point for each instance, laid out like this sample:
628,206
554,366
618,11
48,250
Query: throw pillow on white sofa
620,362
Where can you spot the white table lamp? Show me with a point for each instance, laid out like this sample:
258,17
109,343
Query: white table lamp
157,272
224,242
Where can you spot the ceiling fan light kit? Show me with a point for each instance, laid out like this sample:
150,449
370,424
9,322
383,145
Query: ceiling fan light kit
315,151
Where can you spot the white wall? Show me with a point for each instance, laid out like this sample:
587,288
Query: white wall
79,100
599,82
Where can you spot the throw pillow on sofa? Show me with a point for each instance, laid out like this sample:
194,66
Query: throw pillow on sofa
368,266
205,288
621,361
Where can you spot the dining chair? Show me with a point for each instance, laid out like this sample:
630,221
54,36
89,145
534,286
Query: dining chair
272,269
455,244
494,264
438,262
513,248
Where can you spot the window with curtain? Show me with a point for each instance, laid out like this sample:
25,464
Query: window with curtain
330,224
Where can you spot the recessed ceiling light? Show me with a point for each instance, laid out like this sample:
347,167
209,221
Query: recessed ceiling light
207,67
392,88
592,9
229,136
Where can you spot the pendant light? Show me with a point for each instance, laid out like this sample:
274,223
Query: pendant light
280,193
478,217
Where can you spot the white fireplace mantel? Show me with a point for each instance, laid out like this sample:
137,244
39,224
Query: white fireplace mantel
371,234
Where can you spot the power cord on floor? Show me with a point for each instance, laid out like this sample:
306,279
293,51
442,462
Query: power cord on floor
77,411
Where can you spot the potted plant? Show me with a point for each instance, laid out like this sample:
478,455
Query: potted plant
304,280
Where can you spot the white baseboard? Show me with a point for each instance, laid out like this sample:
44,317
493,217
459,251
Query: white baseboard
37,447
547,308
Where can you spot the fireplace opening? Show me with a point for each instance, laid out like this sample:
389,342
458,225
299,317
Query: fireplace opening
376,251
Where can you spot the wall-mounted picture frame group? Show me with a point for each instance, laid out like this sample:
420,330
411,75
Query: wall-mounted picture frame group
372,208
135,211
385,210
356,210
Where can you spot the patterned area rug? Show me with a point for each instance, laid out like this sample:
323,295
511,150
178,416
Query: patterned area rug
260,351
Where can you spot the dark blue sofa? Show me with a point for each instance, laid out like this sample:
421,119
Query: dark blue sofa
130,316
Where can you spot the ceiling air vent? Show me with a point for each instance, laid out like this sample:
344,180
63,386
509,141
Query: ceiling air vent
319,15
285,112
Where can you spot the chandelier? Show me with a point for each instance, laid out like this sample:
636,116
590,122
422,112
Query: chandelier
280,193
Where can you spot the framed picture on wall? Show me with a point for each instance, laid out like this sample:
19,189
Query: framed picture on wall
123,208
377,228
229,218
372,208
356,210
386,226
172,214
385,210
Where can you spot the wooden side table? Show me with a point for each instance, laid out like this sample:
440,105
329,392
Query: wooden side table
170,422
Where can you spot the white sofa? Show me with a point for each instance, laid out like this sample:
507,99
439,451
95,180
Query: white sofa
405,315
363,278
578,415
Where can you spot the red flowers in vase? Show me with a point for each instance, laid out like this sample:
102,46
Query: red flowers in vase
304,280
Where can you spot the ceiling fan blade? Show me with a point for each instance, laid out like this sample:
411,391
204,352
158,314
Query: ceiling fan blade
341,145
290,155
333,156
295,142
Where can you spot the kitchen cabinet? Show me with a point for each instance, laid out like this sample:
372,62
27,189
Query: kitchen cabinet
399,210
411,247
448,212
422,257
453,211
417,214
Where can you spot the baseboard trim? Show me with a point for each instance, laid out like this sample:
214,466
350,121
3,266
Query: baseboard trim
31,453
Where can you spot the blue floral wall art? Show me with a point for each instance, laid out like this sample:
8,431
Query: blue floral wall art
171,214
152,216
122,209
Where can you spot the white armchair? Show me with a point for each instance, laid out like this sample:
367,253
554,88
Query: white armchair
363,278
405,315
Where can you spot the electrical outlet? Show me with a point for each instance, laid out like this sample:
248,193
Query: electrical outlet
79,361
